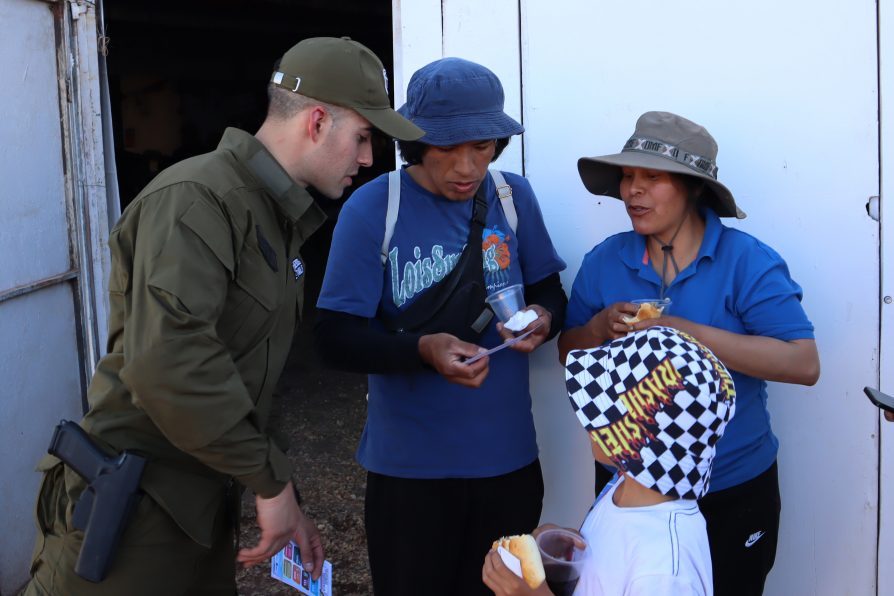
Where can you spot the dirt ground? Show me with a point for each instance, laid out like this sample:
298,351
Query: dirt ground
322,414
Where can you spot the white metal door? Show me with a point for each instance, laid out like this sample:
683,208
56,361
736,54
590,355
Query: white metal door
53,231
795,118
790,92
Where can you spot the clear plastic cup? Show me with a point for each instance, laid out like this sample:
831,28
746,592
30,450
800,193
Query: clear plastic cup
563,558
507,302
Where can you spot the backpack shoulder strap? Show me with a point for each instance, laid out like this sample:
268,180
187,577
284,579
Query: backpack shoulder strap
504,192
391,212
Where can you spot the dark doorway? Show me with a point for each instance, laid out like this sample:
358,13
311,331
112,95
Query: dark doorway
181,71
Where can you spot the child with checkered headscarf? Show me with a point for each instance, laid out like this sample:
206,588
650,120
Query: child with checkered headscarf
654,404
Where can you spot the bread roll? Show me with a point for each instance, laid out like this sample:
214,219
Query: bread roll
524,548
646,311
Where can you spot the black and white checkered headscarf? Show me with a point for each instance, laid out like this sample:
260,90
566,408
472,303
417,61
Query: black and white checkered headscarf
656,401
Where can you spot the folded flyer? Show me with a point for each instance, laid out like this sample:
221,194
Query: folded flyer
286,567
505,344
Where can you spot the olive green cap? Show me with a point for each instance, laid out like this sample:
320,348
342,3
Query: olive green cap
345,73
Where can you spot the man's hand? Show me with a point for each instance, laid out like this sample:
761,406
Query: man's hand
445,353
541,326
280,520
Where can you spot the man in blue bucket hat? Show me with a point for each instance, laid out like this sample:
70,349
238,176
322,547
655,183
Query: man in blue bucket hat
449,442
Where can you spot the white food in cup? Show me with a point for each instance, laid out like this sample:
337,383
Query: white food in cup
520,320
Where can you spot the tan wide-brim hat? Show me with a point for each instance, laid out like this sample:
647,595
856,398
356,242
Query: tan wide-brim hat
666,142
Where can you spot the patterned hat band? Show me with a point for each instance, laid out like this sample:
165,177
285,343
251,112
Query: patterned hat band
692,161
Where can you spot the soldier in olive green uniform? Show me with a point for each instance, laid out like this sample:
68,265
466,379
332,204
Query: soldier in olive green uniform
205,292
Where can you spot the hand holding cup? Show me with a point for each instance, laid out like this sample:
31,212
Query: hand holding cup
564,554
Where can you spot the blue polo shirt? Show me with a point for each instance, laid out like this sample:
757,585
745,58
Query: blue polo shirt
736,283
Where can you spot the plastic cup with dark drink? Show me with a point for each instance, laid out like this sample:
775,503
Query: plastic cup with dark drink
563,553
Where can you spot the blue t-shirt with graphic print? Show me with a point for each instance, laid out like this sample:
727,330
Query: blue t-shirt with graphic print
418,424
736,283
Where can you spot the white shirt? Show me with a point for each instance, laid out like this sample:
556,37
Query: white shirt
654,550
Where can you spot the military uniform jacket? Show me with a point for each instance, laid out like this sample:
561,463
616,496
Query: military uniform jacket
205,292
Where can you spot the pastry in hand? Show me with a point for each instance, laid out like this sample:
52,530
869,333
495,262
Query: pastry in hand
524,548
647,310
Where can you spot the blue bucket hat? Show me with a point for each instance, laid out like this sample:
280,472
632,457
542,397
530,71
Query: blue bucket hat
456,101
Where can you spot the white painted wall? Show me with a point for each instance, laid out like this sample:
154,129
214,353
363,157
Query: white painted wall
790,92
426,30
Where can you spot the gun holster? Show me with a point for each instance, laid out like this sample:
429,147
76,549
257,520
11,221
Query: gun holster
107,504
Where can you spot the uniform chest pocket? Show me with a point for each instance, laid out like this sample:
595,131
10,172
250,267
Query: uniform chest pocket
256,278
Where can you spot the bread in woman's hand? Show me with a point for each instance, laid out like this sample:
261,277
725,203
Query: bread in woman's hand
646,311
524,548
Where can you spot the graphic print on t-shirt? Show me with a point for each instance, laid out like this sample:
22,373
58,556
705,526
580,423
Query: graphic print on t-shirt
420,273
496,257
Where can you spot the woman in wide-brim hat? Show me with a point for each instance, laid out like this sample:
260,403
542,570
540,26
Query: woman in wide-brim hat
724,287
445,439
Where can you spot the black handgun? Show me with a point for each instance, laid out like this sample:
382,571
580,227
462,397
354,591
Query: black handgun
105,506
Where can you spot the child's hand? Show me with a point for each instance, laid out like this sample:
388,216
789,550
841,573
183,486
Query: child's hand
539,529
503,582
